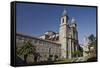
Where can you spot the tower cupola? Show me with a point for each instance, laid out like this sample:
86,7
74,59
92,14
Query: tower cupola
64,17
64,13
73,22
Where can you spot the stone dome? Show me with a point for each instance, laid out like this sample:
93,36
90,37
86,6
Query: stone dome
49,33
64,13
73,20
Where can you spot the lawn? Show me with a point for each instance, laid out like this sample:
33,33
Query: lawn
66,60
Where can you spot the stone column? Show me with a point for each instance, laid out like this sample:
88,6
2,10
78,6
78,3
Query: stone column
76,49
72,50
69,48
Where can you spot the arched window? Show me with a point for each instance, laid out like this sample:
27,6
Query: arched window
63,20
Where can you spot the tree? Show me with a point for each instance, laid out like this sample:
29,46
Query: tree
77,53
26,49
92,44
50,57
56,57
91,38
92,41
36,56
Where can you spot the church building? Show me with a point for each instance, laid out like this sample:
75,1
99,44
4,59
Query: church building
62,44
67,36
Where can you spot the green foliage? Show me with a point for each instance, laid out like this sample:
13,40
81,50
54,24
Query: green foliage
77,53
50,57
87,52
27,48
92,45
92,41
64,61
56,57
92,38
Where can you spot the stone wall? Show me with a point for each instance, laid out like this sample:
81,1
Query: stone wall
44,47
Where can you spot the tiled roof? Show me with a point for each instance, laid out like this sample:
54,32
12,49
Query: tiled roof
32,37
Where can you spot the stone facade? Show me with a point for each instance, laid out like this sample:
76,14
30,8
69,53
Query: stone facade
68,36
44,47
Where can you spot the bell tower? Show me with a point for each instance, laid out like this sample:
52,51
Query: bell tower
63,34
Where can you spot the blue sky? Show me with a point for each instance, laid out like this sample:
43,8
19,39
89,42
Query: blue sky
35,19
